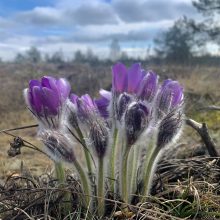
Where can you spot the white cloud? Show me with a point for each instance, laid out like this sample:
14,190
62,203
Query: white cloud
156,10
40,16
80,24
76,14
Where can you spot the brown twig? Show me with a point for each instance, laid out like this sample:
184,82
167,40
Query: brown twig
19,128
202,130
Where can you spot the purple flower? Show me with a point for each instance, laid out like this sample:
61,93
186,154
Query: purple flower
154,102
103,103
119,77
170,96
126,80
135,76
73,98
46,97
132,84
134,81
86,107
148,86
92,113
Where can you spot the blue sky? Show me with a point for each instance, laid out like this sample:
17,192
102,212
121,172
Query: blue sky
8,7
69,25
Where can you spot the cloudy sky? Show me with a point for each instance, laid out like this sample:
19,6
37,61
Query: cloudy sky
69,25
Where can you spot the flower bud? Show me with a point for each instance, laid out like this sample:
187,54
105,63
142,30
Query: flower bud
122,104
169,97
169,128
99,137
136,120
57,146
85,107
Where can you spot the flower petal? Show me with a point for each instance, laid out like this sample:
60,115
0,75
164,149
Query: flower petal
49,82
88,101
50,101
119,77
134,77
177,93
106,94
36,98
63,87
148,86
73,98
33,83
102,105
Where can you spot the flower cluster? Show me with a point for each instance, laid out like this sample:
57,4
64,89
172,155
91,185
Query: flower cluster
122,133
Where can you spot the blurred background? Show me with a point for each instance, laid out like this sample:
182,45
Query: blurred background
82,39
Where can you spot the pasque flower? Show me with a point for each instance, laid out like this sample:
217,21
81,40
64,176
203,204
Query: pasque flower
170,96
46,97
126,128
91,114
134,81
129,85
143,108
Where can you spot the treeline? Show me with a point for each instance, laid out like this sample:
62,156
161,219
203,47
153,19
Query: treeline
179,53
34,55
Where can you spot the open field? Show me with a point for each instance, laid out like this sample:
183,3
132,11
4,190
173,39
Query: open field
201,84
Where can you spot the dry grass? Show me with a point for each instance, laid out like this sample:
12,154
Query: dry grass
183,188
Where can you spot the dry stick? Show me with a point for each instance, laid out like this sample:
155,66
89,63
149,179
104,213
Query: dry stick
202,130
33,147
210,108
19,128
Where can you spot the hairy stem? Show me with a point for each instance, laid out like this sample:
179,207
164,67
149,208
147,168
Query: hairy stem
133,161
60,175
100,190
148,168
149,173
112,161
84,182
86,153
124,172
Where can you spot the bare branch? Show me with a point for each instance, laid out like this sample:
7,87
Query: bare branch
202,130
